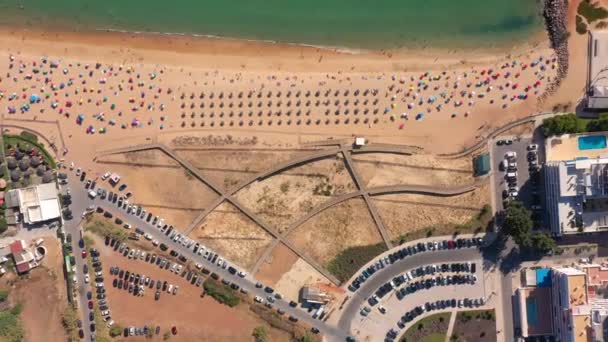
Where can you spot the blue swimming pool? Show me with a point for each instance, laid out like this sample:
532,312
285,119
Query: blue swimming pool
532,309
592,142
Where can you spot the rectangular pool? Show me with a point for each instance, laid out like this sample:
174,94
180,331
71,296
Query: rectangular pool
592,142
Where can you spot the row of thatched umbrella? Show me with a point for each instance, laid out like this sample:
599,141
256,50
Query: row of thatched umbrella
270,103
288,122
24,163
338,111
41,171
279,93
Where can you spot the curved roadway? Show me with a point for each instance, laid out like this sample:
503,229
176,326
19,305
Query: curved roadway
353,305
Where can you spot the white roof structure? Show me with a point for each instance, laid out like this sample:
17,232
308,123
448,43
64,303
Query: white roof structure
598,69
38,203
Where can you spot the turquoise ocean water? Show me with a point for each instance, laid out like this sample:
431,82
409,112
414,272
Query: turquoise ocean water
342,23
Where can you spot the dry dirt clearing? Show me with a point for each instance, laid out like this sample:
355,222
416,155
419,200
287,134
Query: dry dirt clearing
229,167
282,198
405,213
301,274
344,225
196,318
233,235
42,296
156,180
180,218
380,169
276,265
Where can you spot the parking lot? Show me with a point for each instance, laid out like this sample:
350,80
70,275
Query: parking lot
377,323
528,183
193,316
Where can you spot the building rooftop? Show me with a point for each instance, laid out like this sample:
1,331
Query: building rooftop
535,302
36,203
598,64
581,327
596,274
315,296
23,256
576,187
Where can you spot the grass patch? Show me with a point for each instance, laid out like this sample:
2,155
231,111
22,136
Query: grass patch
3,295
220,292
105,228
68,320
15,140
102,333
10,327
350,260
475,325
297,331
466,316
482,222
591,11
429,329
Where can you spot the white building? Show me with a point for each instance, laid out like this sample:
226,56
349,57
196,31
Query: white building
597,85
36,203
577,195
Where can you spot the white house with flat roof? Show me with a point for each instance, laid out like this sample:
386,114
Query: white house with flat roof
36,203
597,85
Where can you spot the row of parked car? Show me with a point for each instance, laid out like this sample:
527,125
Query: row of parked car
141,331
416,286
173,234
426,284
413,249
100,292
432,306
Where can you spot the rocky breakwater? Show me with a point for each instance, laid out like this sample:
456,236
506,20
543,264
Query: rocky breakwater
555,13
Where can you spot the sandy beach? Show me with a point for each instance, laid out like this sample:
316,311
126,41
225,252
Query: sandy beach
152,85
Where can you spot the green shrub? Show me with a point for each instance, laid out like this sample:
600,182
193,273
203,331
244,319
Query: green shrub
3,295
16,310
221,293
350,260
3,225
591,11
260,334
581,26
29,136
116,330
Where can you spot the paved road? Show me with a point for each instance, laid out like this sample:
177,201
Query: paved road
78,206
352,307
248,283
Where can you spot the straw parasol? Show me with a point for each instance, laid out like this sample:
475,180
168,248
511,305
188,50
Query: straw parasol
15,175
11,163
47,177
